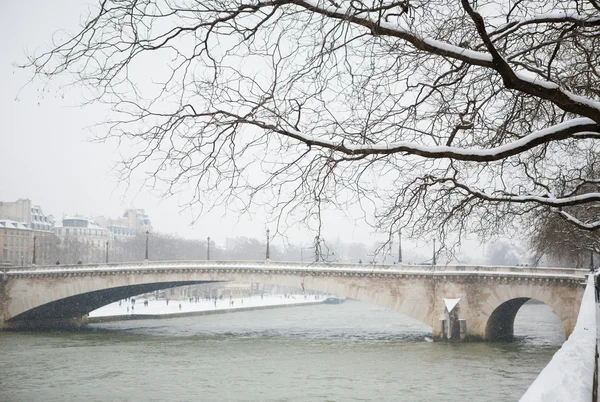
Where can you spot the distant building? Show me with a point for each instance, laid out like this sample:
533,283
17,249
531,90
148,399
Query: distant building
15,238
20,223
16,244
84,239
132,222
24,211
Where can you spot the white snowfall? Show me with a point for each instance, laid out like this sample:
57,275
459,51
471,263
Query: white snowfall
160,306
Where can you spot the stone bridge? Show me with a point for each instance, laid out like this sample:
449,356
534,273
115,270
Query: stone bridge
458,302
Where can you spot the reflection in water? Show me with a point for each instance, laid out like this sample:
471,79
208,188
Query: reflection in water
348,352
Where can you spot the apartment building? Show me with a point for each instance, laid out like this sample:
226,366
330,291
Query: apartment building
17,244
24,211
21,225
132,222
83,240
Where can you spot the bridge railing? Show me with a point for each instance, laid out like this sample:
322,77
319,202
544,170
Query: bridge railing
292,265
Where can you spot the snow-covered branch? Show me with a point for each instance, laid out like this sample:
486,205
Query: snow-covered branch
432,118
581,128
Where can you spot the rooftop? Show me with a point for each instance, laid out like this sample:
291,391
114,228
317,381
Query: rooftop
10,224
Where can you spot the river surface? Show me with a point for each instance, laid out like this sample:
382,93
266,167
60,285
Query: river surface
348,352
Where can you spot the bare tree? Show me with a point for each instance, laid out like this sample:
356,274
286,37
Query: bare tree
502,253
72,251
566,244
433,116
161,247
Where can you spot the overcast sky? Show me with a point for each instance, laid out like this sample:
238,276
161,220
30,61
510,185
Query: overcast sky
46,154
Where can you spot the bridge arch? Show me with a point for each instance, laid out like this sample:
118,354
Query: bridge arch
500,311
63,310
411,297
65,299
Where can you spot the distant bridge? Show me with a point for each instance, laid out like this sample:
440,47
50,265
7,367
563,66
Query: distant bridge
483,300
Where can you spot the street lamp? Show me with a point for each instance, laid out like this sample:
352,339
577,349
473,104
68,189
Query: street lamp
317,249
33,261
268,256
208,248
433,252
147,234
107,252
400,246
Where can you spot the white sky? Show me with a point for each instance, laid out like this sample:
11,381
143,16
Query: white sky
45,152
46,155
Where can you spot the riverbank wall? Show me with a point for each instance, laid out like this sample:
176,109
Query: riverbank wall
571,374
127,317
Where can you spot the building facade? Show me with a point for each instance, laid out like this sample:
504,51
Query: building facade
83,240
23,224
24,211
132,223
15,239
20,245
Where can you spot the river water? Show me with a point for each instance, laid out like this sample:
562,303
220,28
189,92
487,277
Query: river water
348,352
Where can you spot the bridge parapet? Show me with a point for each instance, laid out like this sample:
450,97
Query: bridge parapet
438,270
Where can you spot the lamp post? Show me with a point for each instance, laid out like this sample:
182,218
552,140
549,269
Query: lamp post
399,246
268,255
433,252
317,249
107,252
33,261
147,235
208,248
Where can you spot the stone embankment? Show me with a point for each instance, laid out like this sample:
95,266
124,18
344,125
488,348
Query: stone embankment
161,309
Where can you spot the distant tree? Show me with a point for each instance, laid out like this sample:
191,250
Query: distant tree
161,247
71,250
48,248
502,253
433,117
245,248
566,244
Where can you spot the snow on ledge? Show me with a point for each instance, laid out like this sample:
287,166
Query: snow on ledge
570,374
